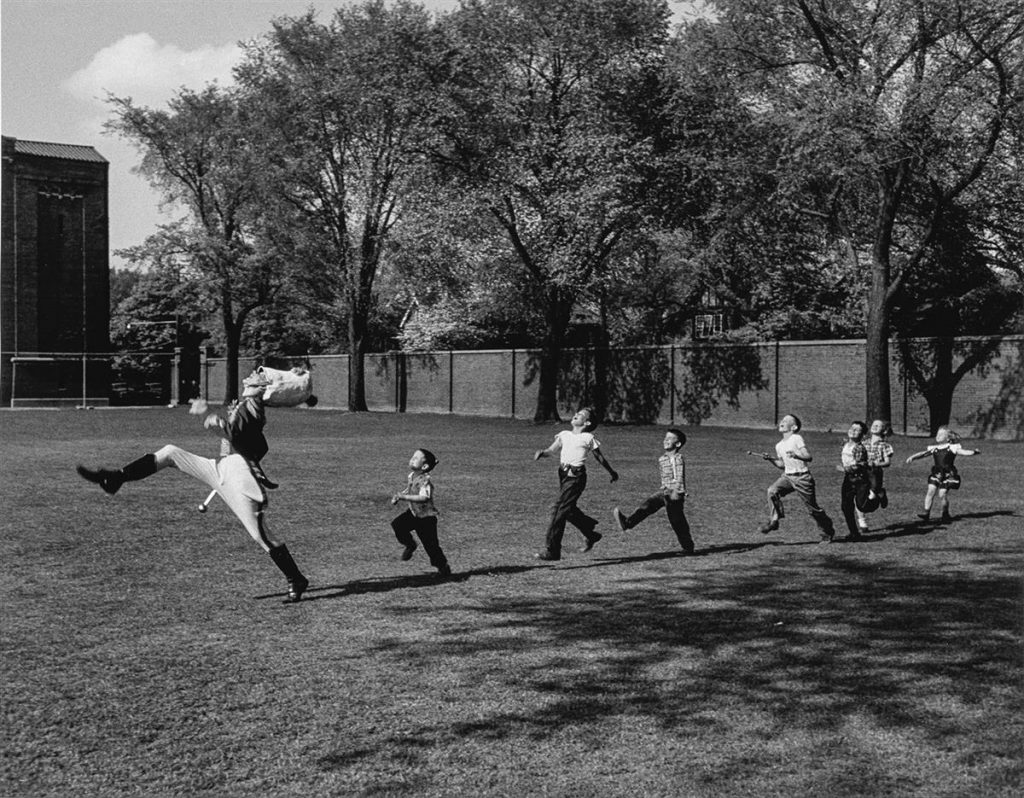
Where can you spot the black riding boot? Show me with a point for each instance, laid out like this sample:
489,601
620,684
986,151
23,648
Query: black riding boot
297,583
111,480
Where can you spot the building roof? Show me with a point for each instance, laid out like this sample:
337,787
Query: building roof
47,149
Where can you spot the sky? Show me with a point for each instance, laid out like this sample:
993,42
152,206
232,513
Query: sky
59,59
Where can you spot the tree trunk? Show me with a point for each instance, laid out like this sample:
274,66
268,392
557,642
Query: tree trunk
558,312
942,384
233,340
878,384
602,346
876,366
356,362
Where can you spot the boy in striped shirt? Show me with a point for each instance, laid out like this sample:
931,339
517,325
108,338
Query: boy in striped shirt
671,496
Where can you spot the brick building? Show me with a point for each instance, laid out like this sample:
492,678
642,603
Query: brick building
54,274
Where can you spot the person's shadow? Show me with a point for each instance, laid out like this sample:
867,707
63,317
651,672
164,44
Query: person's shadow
388,583
920,527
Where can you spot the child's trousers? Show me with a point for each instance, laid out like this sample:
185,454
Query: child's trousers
674,508
803,486
572,482
425,528
854,496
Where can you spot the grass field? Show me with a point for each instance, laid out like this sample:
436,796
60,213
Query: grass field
147,650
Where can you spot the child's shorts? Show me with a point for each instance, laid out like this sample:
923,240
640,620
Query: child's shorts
947,478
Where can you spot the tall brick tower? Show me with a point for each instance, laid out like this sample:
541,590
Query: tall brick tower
54,273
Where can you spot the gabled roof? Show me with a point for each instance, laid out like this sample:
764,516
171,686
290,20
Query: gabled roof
68,152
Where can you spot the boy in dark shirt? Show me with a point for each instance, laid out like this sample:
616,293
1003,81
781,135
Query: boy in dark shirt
421,516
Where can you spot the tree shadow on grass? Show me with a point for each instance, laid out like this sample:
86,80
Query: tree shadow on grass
804,650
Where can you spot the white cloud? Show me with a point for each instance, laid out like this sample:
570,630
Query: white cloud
137,66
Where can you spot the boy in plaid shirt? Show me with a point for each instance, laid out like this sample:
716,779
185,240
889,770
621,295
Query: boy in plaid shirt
671,496
421,515
880,454
855,491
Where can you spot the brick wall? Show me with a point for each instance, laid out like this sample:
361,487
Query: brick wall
721,385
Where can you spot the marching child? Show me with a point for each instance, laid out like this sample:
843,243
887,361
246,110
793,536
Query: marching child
855,492
792,457
573,445
880,453
672,494
421,516
943,477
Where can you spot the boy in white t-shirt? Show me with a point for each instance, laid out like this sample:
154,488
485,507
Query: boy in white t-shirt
573,446
792,457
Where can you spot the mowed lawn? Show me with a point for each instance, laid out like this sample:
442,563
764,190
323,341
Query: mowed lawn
146,648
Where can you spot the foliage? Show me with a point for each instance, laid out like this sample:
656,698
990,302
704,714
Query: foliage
540,129
122,283
882,117
454,284
156,312
960,296
555,175
344,111
197,153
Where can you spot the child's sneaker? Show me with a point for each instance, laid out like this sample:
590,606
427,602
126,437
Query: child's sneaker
407,552
771,526
925,517
596,536
620,519
444,570
883,499
946,517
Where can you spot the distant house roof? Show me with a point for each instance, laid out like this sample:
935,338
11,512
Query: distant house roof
69,152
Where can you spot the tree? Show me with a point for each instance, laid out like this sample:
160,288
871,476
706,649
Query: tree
345,110
539,129
884,116
198,154
156,318
950,320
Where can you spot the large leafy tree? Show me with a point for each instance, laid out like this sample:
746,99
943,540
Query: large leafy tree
344,113
883,116
198,153
950,320
454,282
540,129
157,311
